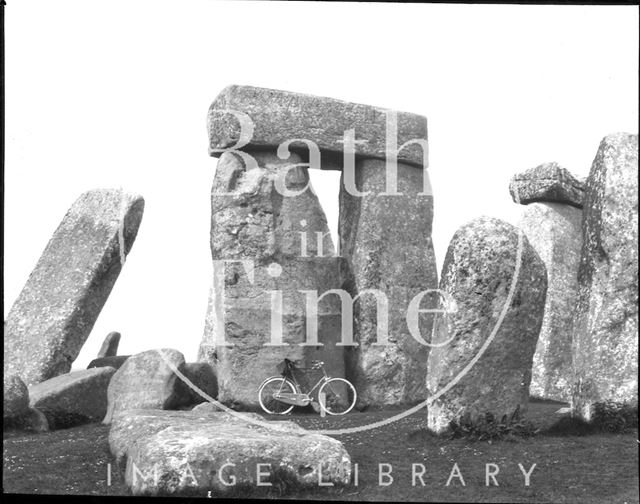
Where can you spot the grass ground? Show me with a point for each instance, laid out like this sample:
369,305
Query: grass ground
594,468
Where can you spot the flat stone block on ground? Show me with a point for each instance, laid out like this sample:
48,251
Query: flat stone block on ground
193,452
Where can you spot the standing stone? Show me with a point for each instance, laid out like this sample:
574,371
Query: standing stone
74,398
145,380
606,317
16,397
387,242
109,346
252,221
554,230
58,306
477,276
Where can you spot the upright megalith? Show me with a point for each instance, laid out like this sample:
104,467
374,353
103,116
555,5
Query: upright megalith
265,252
109,346
605,337
494,284
551,219
387,242
58,306
554,231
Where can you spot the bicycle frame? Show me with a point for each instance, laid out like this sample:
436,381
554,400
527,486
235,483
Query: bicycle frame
321,381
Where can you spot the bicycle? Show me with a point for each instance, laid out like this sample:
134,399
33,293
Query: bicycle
279,394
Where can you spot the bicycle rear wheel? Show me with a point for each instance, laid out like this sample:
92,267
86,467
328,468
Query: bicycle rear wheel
340,396
270,387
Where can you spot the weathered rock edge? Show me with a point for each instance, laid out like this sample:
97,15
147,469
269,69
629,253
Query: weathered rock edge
279,116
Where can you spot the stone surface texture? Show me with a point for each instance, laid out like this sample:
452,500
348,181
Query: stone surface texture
606,317
555,232
252,221
548,182
77,397
16,397
32,420
145,380
109,346
477,276
387,242
182,453
58,306
203,377
280,116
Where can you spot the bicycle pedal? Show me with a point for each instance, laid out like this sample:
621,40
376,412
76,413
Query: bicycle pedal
316,406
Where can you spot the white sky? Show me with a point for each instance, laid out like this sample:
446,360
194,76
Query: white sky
108,94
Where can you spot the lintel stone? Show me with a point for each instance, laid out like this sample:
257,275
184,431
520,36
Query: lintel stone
280,116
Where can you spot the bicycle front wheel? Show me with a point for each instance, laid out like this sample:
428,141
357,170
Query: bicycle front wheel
273,386
340,396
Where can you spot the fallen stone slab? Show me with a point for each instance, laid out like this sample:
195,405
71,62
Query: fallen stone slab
194,452
58,306
145,380
555,232
548,182
115,361
280,116
109,346
74,398
605,337
16,397
477,275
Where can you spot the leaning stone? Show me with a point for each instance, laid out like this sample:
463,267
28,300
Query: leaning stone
59,304
280,116
115,361
183,452
16,397
73,399
387,242
145,380
554,230
606,315
109,346
548,182
477,275
252,221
